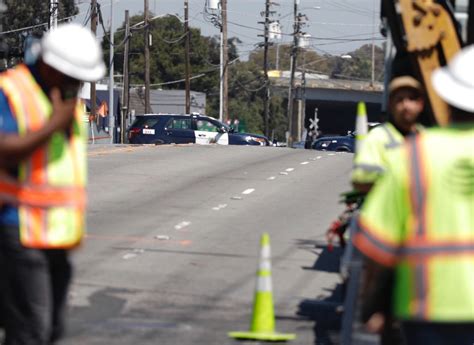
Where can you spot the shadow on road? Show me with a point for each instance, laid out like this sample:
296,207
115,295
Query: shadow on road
104,304
324,310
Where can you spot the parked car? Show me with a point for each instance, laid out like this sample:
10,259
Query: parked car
335,143
339,143
184,129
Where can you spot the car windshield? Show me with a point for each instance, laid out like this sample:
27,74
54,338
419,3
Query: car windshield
145,121
217,123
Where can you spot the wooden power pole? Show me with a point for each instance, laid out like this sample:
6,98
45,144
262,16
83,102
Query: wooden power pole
186,64
266,97
225,87
147,59
291,90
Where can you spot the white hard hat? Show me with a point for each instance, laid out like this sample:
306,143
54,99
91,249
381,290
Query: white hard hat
455,82
74,51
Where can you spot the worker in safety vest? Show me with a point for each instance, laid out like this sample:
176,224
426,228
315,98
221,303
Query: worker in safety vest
417,224
406,102
42,181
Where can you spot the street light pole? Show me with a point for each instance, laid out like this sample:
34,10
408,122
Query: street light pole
126,81
111,77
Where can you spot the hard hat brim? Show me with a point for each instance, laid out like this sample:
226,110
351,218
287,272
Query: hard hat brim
452,91
91,74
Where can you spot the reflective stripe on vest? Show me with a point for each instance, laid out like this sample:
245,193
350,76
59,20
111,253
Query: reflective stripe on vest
392,143
421,249
427,237
50,188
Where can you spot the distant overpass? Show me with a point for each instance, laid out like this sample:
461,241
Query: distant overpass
334,99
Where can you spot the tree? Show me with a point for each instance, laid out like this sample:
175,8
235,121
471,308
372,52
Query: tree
33,15
360,66
305,57
167,57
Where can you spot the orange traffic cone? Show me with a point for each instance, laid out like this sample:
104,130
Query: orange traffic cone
262,326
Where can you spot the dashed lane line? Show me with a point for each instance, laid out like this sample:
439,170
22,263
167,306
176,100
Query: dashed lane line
248,191
219,207
182,225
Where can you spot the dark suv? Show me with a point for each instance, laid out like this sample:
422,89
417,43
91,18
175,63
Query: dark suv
185,129
340,143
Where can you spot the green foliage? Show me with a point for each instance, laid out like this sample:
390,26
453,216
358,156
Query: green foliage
305,57
167,57
27,13
360,66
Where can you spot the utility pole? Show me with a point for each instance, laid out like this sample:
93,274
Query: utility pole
266,96
94,31
225,58
372,75
470,23
186,52
147,59
3,45
125,93
53,14
111,77
294,55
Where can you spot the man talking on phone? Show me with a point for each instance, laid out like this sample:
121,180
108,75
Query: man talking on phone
42,182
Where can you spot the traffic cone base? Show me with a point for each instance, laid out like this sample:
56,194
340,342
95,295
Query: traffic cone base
263,318
265,336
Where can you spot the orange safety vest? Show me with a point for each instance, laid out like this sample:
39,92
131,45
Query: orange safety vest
50,189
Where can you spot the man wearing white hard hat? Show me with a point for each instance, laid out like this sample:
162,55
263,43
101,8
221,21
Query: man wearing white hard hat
418,221
42,181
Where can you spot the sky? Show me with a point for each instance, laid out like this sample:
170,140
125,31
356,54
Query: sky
336,26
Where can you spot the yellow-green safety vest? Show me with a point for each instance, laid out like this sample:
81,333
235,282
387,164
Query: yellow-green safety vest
371,159
419,219
50,189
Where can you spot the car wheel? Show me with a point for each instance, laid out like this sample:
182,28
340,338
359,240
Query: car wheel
159,142
343,149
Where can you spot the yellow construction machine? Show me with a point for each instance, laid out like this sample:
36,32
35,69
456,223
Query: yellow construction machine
424,35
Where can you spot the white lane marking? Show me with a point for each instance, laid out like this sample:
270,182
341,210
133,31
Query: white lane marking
236,197
271,178
331,154
290,169
134,253
248,191
182,225
283,173
219,207
304,163
163,237
319,157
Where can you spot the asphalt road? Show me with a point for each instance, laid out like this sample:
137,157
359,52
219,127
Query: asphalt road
173,243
